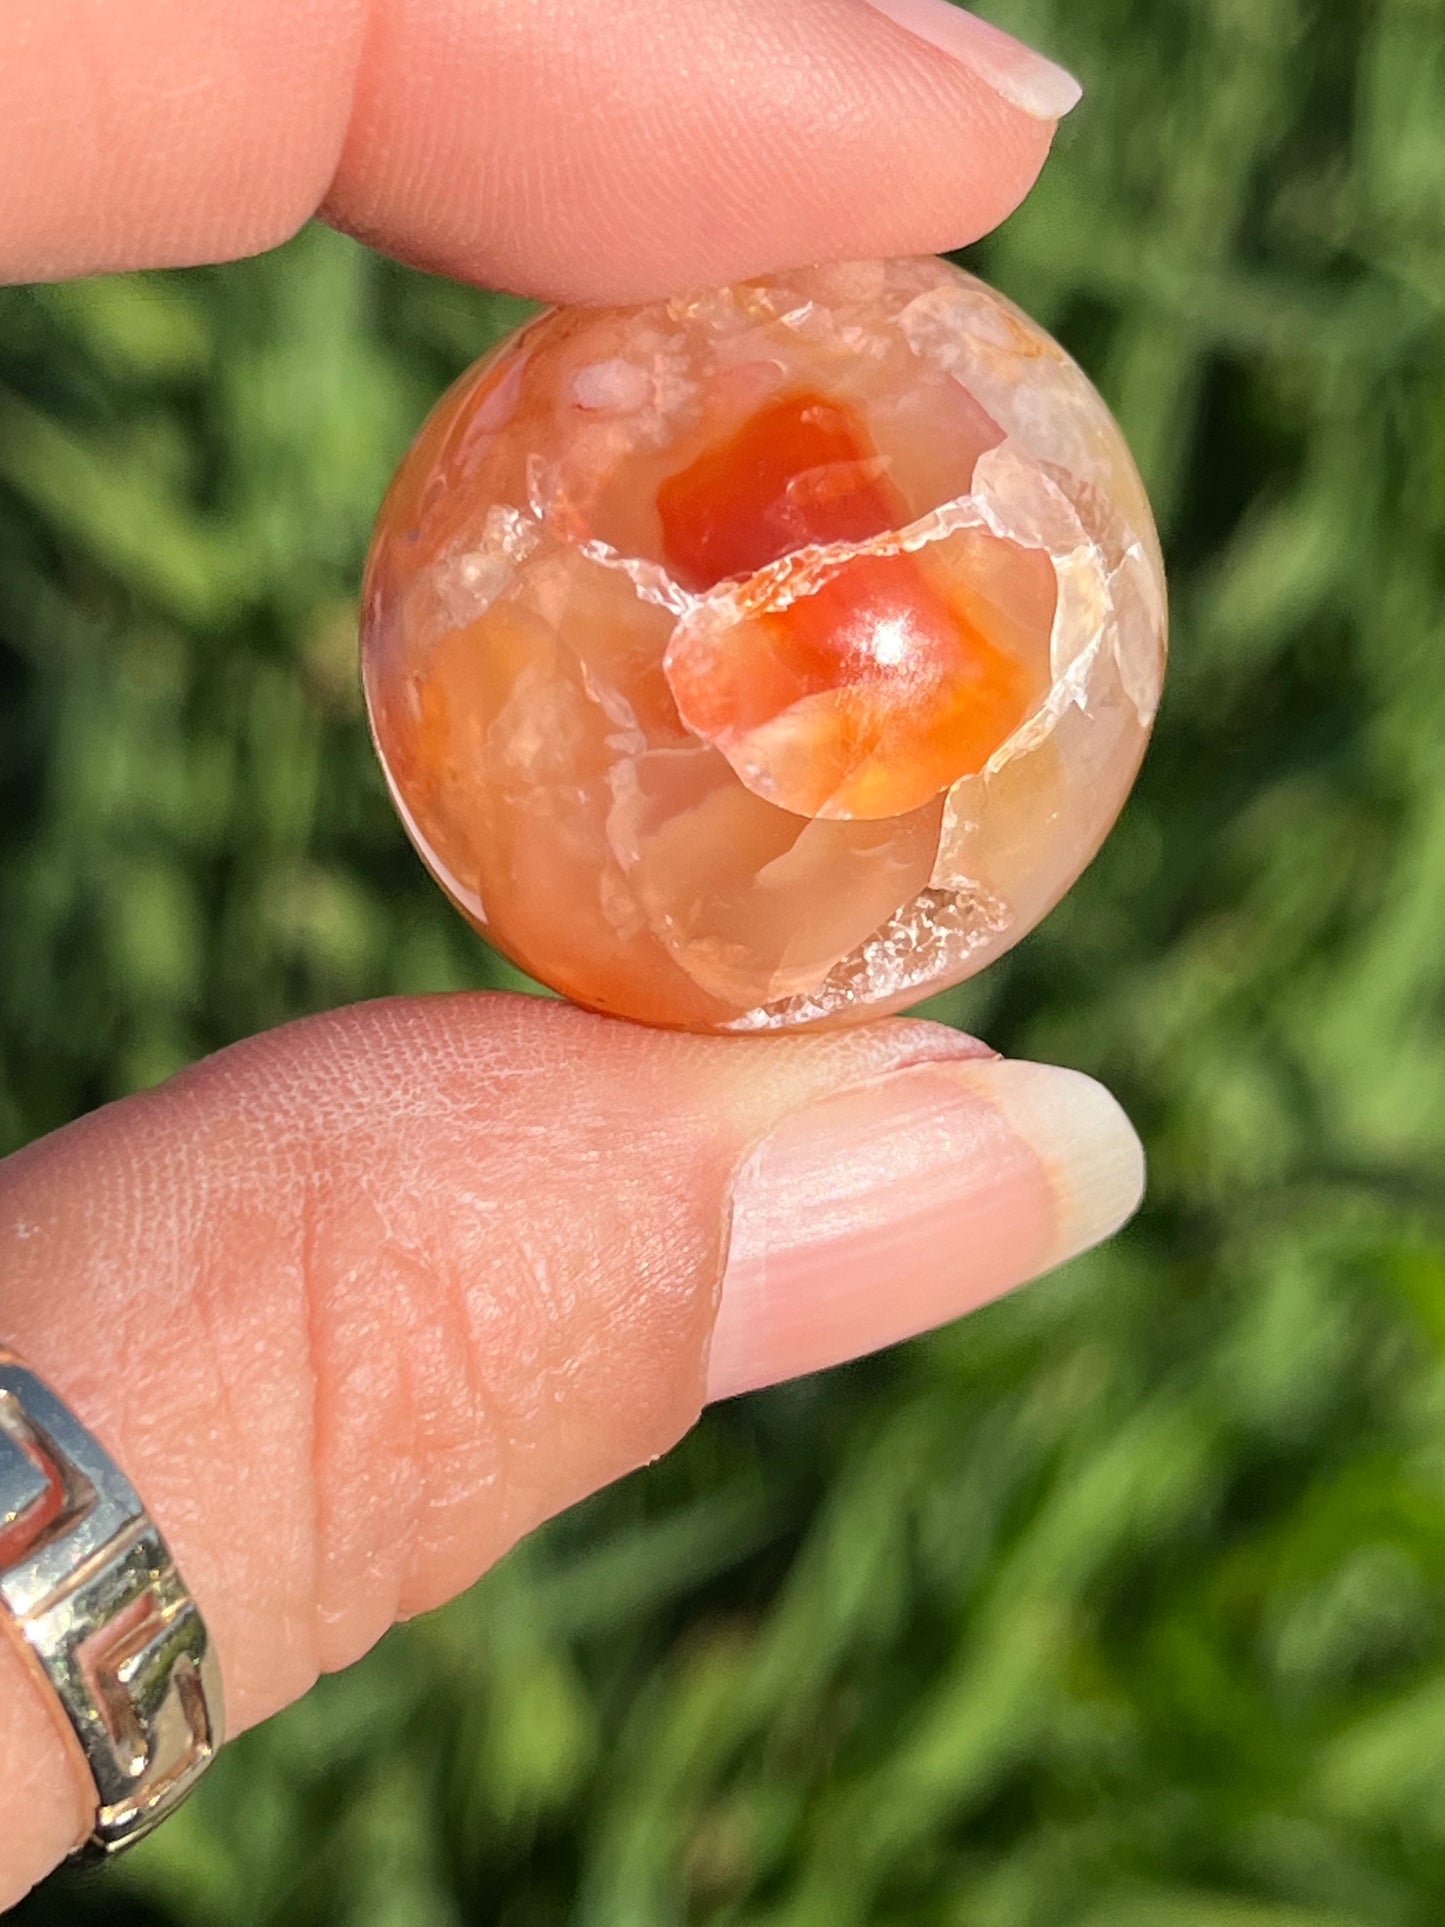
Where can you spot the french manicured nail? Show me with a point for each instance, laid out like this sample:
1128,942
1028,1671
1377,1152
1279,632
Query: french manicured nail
900,1204
1017,72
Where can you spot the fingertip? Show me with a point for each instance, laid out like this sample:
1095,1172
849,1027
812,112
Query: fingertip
899,1204
1021,74
616,164
1090,1153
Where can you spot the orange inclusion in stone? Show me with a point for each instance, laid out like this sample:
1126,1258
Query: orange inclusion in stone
800,470
866,695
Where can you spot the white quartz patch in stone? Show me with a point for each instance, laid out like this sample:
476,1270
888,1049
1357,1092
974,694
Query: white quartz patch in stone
614,384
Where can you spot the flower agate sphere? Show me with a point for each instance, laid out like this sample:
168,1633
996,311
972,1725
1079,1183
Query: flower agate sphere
770,656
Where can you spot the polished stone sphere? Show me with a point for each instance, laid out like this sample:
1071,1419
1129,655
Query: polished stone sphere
770,656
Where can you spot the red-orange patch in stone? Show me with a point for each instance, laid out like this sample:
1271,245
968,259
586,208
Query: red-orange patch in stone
799,470
879,685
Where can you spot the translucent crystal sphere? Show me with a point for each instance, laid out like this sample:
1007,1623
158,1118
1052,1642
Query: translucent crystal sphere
771,656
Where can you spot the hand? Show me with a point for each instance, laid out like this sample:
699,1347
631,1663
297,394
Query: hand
357,1303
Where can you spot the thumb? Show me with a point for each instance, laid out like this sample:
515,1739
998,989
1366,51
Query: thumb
357,1303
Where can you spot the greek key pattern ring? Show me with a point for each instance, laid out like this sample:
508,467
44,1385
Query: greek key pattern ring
104,1616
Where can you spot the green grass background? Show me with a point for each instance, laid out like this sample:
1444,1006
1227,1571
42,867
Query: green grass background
1122,1604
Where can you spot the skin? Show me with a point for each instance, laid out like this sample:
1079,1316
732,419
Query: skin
452,1263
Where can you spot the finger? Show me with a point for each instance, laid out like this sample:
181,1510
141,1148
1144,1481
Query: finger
361,1301
558,148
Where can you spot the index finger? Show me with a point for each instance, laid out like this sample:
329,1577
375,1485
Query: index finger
558,148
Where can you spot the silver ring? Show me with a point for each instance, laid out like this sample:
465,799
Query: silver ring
104,1617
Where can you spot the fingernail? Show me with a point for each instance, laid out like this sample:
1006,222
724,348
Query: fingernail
897,1205
1017,72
